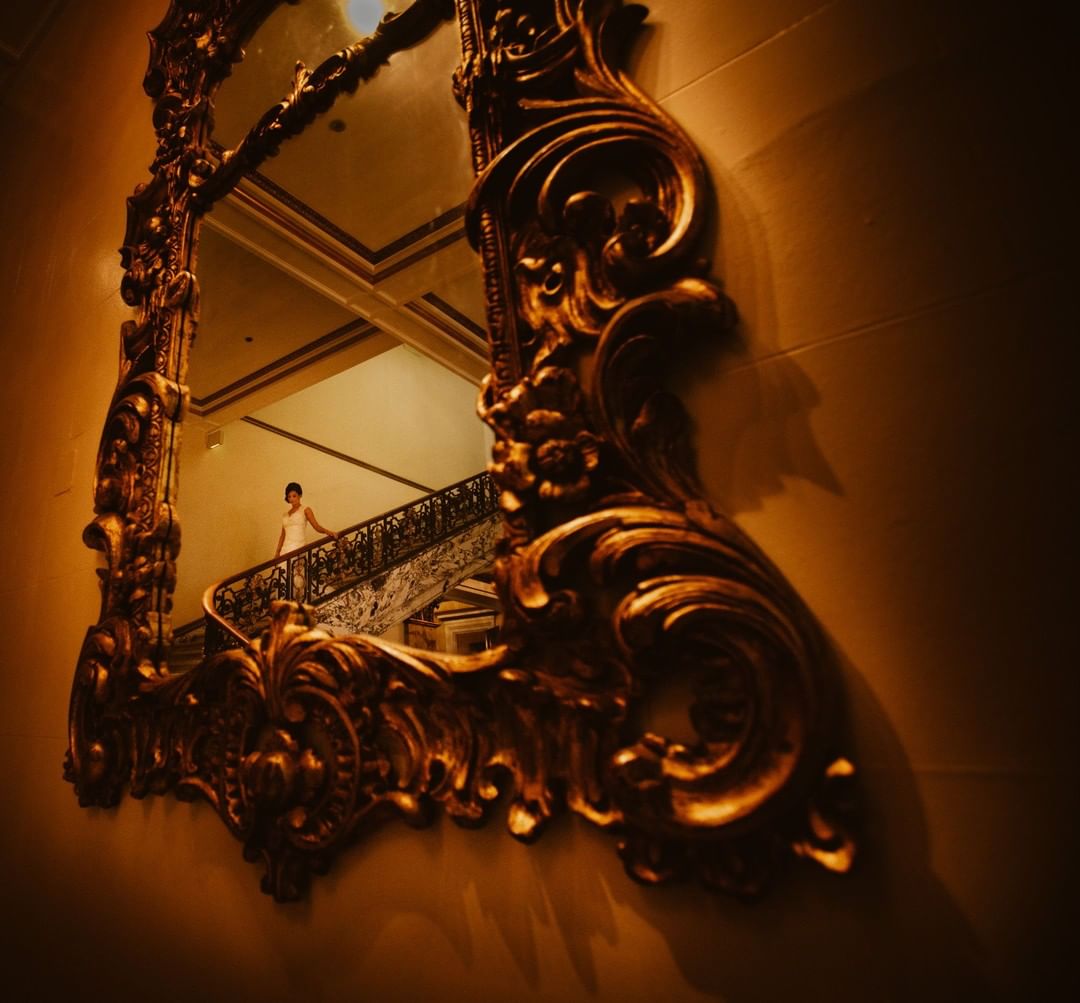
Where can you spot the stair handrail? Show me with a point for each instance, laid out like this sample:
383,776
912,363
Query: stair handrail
320,570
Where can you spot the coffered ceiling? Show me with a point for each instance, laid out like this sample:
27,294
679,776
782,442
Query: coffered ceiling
351,239
354,229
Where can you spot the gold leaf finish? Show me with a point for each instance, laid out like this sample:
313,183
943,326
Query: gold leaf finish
616,578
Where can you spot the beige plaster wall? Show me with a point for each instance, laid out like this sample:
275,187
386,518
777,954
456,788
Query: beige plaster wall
891,184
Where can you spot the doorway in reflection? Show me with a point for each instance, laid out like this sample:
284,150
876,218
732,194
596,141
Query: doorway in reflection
464,621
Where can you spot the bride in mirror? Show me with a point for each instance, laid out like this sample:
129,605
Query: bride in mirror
294,522
348,344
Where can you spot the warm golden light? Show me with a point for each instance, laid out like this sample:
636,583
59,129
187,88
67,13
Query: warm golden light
611,574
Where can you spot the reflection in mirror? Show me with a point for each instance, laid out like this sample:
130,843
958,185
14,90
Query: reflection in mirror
341,345
615,575
466,619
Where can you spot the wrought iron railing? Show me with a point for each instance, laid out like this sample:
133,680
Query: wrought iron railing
236,607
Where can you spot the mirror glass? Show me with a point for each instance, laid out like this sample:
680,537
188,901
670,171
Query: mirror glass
341,346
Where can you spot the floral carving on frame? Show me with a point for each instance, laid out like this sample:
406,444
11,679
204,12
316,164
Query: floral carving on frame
616,577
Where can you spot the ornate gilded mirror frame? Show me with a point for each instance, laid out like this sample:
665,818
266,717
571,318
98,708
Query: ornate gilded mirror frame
616,578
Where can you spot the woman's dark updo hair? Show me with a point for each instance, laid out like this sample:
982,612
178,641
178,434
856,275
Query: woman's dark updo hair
293,486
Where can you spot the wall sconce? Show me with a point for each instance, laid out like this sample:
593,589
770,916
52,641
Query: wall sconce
214,438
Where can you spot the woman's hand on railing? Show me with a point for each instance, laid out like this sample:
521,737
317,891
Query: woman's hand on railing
367,548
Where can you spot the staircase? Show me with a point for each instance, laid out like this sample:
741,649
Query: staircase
374,575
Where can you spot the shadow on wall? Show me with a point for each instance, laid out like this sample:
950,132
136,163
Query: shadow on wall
889,931
755,430
759,431
450,914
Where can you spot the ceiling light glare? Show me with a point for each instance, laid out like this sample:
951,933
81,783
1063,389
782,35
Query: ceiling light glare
364,14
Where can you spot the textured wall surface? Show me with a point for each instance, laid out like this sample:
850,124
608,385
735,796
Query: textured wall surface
891,180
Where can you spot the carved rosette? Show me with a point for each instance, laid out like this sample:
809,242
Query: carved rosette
618,581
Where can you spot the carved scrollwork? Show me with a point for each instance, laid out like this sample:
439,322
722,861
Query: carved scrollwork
136,526
644,572
617,579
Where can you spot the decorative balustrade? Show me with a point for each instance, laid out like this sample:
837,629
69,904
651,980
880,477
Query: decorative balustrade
236,607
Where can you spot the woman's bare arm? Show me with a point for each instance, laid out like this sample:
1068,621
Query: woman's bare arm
315,522
280,542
